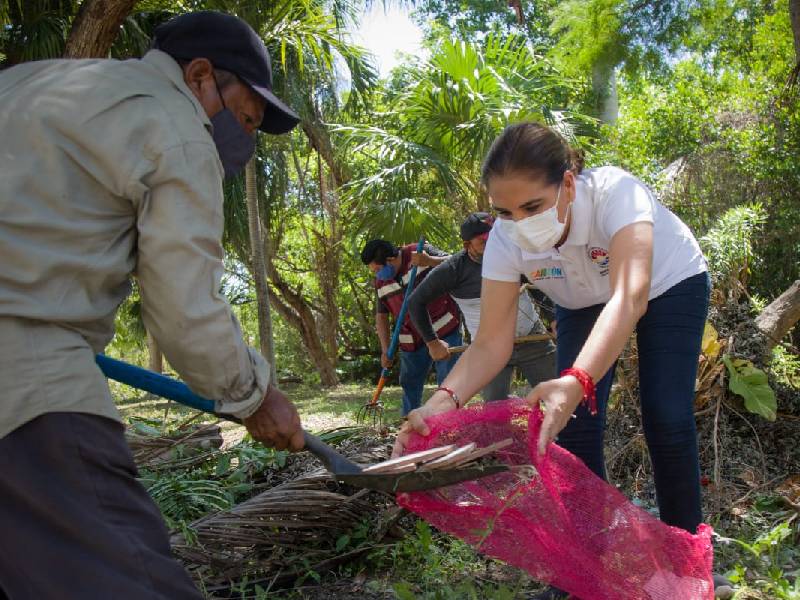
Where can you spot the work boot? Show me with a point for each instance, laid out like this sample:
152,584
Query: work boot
723,588
551,593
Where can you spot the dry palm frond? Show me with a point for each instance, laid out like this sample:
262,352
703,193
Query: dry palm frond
282,529
182,449
282,532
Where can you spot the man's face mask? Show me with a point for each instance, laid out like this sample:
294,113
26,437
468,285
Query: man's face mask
234,145
387,271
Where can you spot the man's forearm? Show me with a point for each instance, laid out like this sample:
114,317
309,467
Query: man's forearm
382,329
418,312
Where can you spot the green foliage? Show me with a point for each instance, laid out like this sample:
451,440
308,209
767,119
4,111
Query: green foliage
471,20
219,483
751,384
181,497
420,166
432,566
718,130
784,365
729,247
771,557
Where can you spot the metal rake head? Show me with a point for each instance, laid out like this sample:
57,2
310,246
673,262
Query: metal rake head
371,412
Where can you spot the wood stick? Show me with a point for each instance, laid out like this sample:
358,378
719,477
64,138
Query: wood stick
534,337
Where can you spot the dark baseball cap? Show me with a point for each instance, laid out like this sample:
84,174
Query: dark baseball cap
377,251
231,45
476,224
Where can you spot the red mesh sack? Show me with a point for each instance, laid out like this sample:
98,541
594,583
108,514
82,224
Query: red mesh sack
558,520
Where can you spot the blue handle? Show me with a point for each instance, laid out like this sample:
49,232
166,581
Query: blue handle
403,309
155,383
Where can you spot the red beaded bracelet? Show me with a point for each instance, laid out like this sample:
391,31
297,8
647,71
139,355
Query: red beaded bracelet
449,392
586,381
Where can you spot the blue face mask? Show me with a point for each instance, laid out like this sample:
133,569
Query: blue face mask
387,271
234,145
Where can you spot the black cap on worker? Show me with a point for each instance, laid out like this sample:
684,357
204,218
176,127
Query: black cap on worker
231,45
378,251
476,224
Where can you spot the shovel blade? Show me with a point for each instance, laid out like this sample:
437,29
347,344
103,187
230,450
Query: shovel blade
417,480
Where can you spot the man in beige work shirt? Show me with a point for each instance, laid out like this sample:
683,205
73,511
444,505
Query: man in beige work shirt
110,169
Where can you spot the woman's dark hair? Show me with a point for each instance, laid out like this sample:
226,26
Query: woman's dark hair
378,251
533,150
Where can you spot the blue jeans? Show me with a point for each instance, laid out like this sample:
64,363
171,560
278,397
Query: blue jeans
668,336
414,369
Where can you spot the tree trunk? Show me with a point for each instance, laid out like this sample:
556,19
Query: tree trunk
794,14
517,6
320,141
96,27
297,311
258,269
155,360
781,315
604,88
330,238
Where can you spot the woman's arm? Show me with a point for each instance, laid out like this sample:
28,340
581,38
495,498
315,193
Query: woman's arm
630,268
487,354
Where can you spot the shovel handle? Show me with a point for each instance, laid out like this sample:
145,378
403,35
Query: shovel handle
163,386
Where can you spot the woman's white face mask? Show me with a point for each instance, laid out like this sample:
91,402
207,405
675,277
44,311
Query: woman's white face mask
537,233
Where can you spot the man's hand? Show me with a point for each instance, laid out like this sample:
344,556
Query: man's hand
386,362
422,259
438,349
276,423
438,403
560,398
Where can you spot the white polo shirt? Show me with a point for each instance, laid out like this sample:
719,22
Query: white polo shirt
576,274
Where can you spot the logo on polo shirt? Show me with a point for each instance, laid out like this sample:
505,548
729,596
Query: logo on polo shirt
546,273
599,257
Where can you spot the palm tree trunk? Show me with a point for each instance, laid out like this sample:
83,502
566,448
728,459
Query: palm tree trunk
258,268
604,88
155,360
96,27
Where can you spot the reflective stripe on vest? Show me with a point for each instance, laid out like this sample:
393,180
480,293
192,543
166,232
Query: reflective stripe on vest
389,288
407,277
444,320
406,338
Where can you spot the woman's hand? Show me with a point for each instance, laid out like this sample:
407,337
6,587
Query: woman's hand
559,398
438,403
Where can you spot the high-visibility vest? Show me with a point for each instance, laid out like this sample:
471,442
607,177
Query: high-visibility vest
443,310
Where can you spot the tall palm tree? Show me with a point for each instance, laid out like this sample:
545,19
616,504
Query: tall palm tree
423,168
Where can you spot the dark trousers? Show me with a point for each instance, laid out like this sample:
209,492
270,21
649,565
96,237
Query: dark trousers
74,521
415,366
668,337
